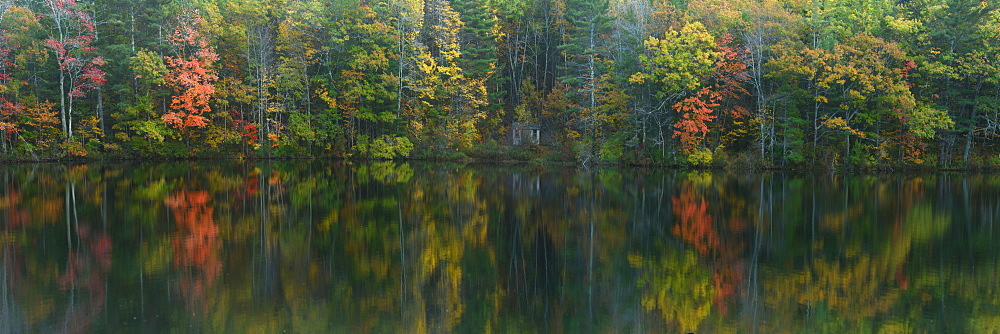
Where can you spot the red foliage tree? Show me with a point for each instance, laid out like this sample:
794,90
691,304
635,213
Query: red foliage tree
723,94
729,77
696,112
190,74
10,110
78,60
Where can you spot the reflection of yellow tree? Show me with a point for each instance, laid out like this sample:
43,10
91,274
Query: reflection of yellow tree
980,288
856,289
18,207
406,241
196,243
387,172
678,286
863,281
440,272
447,222
441,239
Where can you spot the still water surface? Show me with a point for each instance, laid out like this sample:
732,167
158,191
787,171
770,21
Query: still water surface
389,247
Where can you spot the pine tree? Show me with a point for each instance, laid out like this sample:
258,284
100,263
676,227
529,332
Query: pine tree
585,46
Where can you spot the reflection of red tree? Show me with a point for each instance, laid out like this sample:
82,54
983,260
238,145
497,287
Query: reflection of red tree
86,270
195,243
14,214
726,277
902,279
88,260
695,224
249,188
697,227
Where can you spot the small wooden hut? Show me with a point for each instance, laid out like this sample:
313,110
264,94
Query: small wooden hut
523,133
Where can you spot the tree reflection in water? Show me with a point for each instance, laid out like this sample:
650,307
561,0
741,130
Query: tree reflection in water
410,247
195,245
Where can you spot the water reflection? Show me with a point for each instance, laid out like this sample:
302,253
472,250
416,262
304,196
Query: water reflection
195,245
398,247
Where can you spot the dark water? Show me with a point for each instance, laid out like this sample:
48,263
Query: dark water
408,248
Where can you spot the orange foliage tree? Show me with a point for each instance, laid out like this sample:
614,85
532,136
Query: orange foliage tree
190,74
696,113
724,91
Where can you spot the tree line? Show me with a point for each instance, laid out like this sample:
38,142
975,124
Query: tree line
744,83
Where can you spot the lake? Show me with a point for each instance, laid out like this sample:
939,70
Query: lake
396,247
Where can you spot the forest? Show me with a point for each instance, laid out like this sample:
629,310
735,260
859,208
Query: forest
866,84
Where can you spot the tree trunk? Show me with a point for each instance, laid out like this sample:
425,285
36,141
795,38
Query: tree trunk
62,103
969,136
69,115
100,109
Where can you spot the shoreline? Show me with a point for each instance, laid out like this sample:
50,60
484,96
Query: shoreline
872,170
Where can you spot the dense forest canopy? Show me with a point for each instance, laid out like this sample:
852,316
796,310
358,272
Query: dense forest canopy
751,83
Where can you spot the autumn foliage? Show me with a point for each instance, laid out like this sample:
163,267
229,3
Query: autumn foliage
79,63
730,77
696,113
722,92
10,110
76,54
764,83
190,75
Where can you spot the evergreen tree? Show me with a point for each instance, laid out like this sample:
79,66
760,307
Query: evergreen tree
585,47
